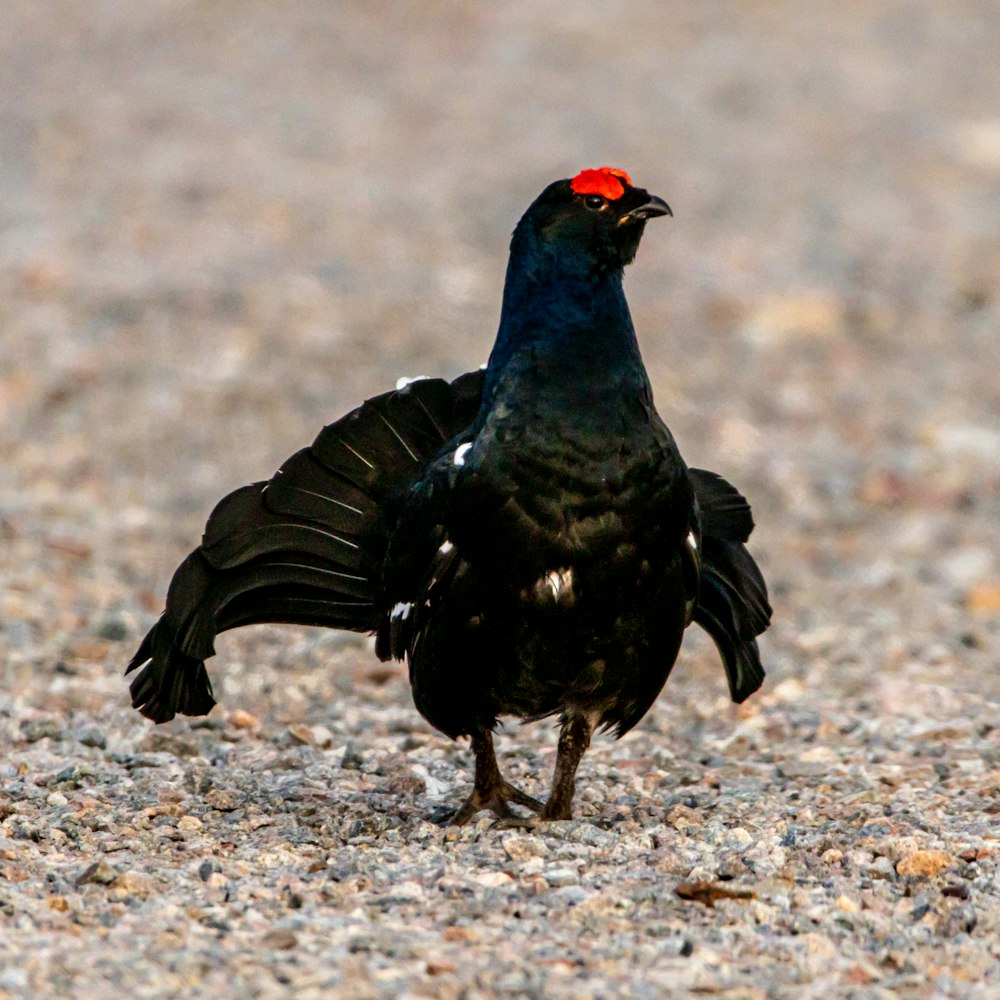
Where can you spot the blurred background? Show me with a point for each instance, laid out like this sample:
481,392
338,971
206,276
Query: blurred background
224,223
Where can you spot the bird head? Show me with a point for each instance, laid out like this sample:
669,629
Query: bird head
596,218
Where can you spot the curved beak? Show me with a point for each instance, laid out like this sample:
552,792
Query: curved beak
650,209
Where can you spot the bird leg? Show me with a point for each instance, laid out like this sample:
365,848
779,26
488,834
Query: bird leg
489,790
573,742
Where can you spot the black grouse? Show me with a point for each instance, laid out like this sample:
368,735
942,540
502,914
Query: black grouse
527,536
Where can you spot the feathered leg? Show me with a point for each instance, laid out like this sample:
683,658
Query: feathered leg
573,742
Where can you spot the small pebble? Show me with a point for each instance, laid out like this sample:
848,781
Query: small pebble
100,872
280,940
352,759
91,736
240,719
224,801
206,868
521,847
557,877
33,730
925,863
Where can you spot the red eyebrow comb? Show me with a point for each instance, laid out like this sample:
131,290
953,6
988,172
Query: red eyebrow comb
605,181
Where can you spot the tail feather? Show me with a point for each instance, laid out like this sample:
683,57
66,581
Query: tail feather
244,526
741,657
732,606
300,610
303,548
172,682
733,571
397,430
297,489
725,512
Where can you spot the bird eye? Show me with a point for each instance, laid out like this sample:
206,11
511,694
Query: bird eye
595,202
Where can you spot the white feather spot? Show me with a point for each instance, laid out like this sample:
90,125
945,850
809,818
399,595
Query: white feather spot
559,581
400,611
405,380
446,547
692,541
460,452
482,367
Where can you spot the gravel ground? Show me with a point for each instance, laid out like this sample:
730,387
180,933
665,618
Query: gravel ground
223,224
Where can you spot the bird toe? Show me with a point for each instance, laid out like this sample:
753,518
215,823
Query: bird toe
497,799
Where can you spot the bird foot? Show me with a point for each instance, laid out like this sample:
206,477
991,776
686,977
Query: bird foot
519,823
496,798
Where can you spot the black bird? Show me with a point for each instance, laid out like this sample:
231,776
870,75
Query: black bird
527,537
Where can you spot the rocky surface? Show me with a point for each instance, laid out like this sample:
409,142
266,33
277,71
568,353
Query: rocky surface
224,224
